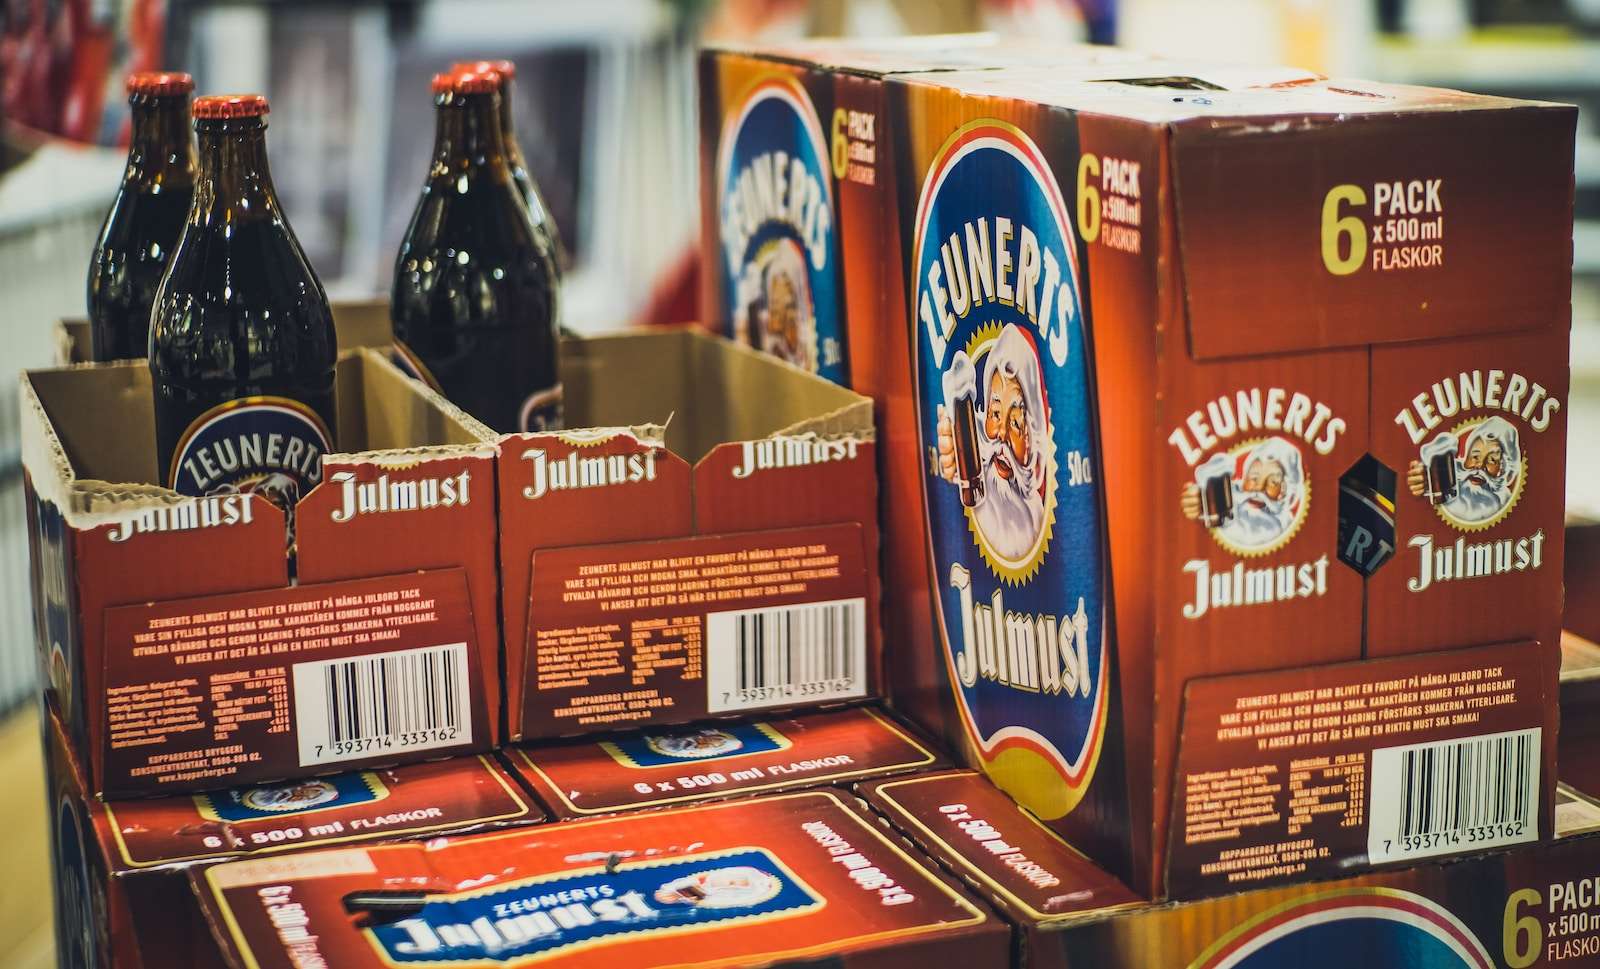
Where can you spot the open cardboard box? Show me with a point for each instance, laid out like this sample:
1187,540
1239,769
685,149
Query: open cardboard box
177,649
701,542
681,445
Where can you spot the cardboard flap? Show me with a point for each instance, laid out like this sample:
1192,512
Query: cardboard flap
1307,231
89,431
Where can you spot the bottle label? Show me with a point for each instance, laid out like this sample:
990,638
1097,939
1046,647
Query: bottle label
780,289
542,411
1015,520
269,446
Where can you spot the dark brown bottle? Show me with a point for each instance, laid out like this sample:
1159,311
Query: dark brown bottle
476,294
544,224
242,342
142,227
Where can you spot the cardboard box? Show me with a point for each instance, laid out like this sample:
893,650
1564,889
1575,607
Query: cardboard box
1211,303
701,542
123,899
657,768
170,637
795,171
680,447
1008,857
1532,906
781,881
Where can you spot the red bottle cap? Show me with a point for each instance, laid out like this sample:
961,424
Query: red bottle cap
444,83
159,83
475,82
505,69
215,106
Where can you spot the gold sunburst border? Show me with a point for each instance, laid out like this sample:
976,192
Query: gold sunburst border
1017,574
1516,495
1292,530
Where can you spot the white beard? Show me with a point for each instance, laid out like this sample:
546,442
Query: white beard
1009,516
1474,502
1255,527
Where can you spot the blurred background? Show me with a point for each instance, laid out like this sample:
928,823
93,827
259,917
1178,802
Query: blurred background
605,112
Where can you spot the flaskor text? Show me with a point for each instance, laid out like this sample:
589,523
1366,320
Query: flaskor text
385,495
572,471
216,511
776,187
992,841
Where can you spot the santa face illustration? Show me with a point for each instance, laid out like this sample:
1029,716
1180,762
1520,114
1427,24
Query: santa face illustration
1265,498
289,797
1009,504
738,886
708,742
1472,475
776,313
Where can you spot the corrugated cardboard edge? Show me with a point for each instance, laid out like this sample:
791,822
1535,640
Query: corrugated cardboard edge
88,503
488,440
850,422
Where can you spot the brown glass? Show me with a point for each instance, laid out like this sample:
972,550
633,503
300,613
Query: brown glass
241,313
544,224
142,227
475,290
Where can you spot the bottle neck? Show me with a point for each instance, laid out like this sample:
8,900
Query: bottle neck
468,135
508,131
160,144
235,182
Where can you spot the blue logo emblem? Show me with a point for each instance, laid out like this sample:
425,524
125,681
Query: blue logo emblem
775,205
294,797
695,744
1013,507
1374,928
588,909
271,446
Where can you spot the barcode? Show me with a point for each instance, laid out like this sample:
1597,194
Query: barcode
384,703
786,654
1456,795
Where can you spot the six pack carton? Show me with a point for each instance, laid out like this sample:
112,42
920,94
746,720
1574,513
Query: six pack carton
123,899
1533,906
186,646
1220,372
702,762
790,880
795,170
701,541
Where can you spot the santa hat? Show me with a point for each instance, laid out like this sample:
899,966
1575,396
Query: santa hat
1502,432
1286,455
1014,356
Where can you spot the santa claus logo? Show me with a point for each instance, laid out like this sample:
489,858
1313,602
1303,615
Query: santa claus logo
775,199
1253,498
1011,499
1472,475
1004,459
694,744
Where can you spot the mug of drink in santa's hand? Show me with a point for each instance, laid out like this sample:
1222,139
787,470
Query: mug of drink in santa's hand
1439,469
961,410
1215,481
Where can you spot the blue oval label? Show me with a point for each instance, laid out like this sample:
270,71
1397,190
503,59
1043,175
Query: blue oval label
775,206
1375,928
538,918
271,446
1013,510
